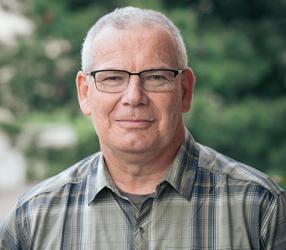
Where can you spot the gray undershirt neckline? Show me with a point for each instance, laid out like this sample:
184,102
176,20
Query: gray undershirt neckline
137,199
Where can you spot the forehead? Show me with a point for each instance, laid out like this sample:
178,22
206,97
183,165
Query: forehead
134,45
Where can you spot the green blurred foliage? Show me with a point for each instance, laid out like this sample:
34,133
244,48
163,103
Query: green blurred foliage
55,160
236,49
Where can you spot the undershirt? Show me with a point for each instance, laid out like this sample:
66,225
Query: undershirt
137,199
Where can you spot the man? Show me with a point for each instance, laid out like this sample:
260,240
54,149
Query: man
151,186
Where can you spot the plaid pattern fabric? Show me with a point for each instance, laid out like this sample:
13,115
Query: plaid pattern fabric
205,201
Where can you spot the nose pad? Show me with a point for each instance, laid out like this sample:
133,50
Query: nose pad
134,95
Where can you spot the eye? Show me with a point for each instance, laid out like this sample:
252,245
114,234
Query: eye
156,77
112,78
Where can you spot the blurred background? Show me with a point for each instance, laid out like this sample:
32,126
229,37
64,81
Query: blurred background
236,49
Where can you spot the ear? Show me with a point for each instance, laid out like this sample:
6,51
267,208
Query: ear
82,93
188,83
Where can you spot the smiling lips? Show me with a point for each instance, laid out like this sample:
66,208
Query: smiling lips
135,123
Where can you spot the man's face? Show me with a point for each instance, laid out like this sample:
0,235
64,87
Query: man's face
136,121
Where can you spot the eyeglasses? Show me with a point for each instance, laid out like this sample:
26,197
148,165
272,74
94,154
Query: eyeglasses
115,81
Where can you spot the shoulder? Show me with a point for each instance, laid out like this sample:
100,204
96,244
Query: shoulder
237,173
75,174
45,206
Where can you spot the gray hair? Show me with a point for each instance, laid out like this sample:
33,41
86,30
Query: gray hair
121,18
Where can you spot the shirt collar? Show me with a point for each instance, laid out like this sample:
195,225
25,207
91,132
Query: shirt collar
182,173
99,179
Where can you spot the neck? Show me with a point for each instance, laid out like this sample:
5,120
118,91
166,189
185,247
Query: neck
140,173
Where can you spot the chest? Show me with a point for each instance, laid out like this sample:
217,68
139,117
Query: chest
173,223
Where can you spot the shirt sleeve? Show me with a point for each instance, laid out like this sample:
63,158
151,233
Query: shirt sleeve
12,233
273,228
8,238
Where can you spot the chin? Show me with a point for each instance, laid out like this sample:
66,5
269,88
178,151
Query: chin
137,148
138,145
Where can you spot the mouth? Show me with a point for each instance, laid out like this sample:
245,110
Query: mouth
135,123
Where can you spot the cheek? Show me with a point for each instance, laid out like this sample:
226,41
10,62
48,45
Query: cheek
169,108
102,106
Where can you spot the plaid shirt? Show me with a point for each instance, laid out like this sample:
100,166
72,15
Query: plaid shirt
206,201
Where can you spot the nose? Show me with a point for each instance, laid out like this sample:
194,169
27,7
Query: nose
134,95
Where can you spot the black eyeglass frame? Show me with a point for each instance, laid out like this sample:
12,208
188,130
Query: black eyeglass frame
175,71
